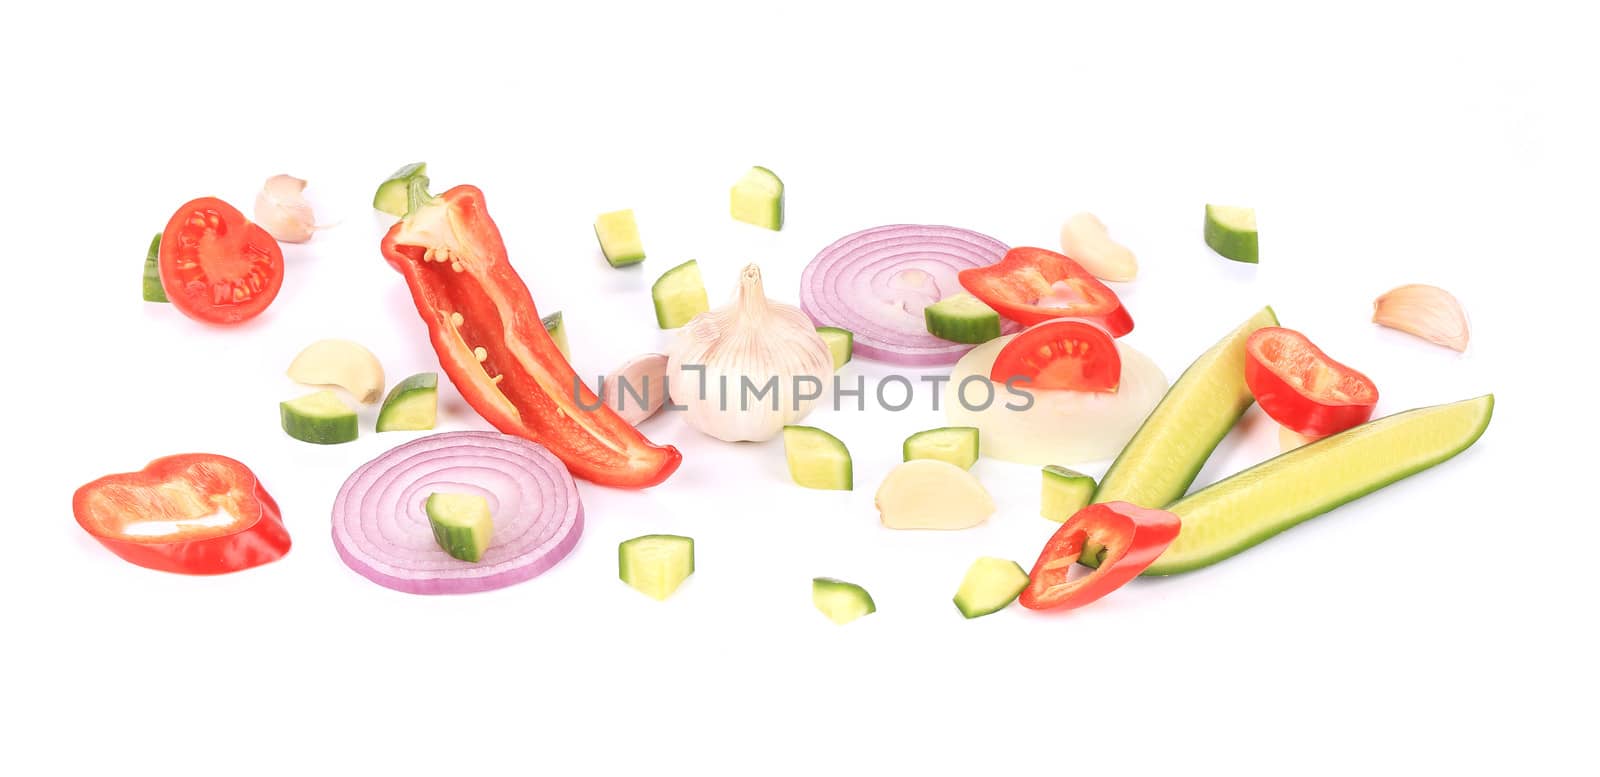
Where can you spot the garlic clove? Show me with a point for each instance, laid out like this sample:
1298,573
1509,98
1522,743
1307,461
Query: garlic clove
1428,312
638,388
1085,240
282,210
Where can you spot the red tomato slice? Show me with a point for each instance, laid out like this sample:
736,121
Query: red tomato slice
216,266
1061,354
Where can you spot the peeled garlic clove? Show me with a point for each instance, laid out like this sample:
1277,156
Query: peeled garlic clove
340,363
638,388
932,494
1428,312
1085,241
282,210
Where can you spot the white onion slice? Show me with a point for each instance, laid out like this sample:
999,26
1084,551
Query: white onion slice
1062,427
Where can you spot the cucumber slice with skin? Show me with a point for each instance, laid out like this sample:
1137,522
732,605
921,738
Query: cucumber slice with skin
558,332
1064,493
152,272
618,233
462,524
1162,460
392,197
758,199
1231,232
957,445
1235,514
962,318
842,602
679,295
412,405
841,343
817,459
656,564
990,585
320,417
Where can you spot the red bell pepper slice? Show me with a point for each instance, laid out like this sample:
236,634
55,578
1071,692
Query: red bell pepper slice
1302,388
462,282
1019,284
195,514
1133,536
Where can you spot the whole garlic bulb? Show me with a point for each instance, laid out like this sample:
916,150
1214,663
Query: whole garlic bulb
764,364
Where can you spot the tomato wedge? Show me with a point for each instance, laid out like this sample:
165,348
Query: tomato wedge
195,514
1030,285
1302,388
1133,536
1060,354
216,266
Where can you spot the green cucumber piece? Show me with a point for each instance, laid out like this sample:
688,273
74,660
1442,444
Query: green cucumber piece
679,295
412,405
1234,514
817,459
619,238
462,524
957,445
320,417
842,602
558,332
962,318
1065,492
153,292
393,194
841,343
1159,464
655,564
1231,231
758,199
989,586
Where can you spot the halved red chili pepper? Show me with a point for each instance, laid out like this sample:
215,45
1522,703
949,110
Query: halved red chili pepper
492,344
1030,285
195,514
1133,536
1302,388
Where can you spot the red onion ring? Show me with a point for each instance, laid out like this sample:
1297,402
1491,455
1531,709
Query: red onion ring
876,282
381,531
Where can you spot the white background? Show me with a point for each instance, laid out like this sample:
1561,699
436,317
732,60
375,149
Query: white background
1440,624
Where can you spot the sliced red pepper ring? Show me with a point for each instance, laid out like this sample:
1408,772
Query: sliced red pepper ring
1303,388
496,350
1134,537
1062,354
194,514
1030,285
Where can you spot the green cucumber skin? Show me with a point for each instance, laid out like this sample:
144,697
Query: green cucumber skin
912,448
1229,244
841,343
962,319
1107,491
557,329
772,217
153,291
320,431
391,197
676,302
970,609
1268,529
419,386
1111,490
831,588
1060,481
